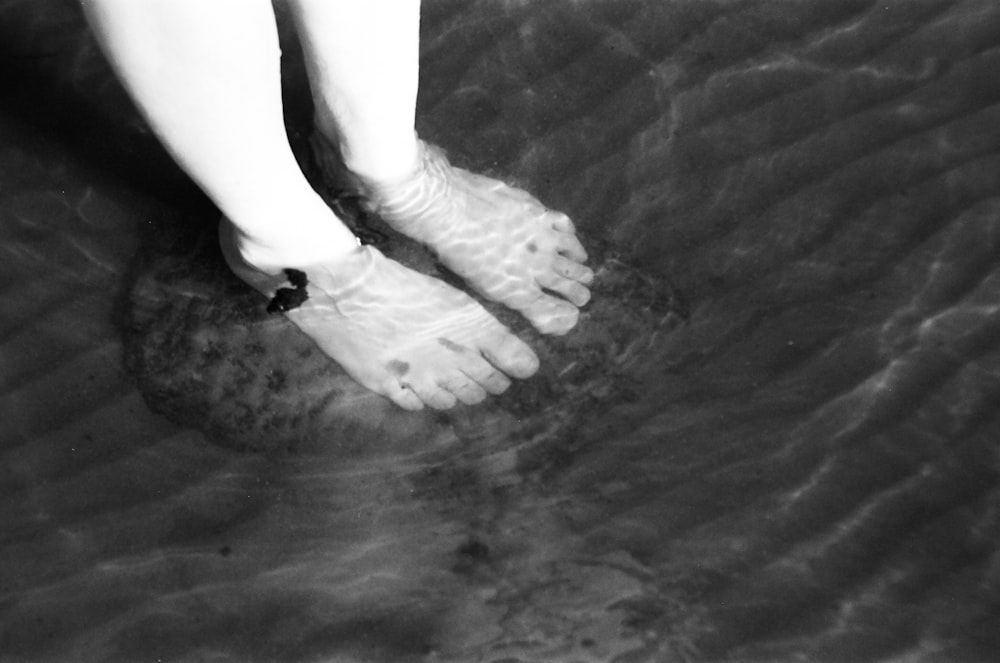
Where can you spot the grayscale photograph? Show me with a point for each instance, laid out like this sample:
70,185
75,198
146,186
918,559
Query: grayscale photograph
499,331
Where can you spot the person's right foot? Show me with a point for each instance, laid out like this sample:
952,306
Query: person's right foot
407,336
502,241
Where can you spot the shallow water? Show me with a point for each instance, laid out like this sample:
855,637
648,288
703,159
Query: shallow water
773,437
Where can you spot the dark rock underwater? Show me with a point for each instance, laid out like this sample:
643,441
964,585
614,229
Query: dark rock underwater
773,437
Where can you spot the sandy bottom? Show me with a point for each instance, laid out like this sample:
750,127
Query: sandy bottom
773,436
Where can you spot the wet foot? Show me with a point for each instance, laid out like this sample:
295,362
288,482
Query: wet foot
501,240
407,336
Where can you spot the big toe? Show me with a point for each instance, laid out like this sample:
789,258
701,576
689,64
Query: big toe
510,354
570,246
551,315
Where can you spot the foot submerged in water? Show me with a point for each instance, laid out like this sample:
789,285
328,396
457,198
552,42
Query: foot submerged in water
407,336
507,245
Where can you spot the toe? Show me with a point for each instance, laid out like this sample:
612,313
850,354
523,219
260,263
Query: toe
463,388
572,270
569,245
486,376
402,396
577,294
562,223
551,315
433,395
510,354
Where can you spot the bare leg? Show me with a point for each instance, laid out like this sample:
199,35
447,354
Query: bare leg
362,57
363,65
206,75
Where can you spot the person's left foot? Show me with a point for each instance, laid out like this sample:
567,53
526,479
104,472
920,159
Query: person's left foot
400,333
501,240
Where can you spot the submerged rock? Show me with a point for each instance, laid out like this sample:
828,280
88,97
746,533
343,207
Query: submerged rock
208,355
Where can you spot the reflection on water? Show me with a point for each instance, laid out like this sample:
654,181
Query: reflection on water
773,436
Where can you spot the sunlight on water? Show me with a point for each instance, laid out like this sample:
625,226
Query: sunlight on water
770,437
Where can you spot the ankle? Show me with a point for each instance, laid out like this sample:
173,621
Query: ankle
404,199
295,246
373,157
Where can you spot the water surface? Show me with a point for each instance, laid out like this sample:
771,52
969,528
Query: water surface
773,437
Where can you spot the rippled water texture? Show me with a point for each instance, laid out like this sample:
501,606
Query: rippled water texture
773,437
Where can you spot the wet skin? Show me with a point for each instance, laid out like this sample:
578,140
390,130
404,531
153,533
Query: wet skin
502,241
407,336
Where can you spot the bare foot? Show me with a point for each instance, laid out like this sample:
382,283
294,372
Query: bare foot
404,335
501,240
